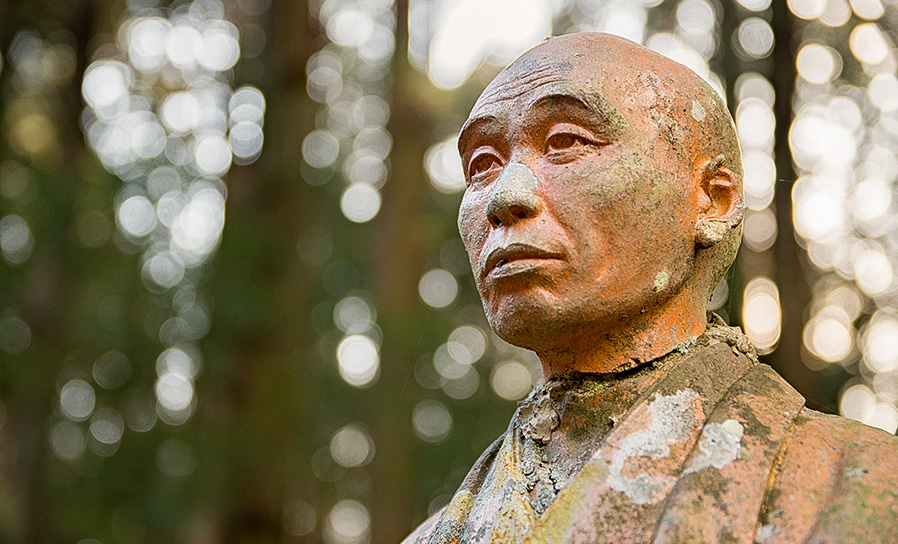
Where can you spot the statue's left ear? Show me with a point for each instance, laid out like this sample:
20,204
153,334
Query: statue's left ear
719,203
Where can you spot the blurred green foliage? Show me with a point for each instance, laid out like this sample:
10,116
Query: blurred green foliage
256,461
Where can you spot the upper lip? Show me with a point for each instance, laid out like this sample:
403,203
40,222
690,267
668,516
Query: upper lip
516,252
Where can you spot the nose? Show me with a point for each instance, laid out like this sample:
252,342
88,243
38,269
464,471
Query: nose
514,196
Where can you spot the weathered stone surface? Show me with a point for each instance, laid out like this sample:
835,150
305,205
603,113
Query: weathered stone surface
603,205
718,449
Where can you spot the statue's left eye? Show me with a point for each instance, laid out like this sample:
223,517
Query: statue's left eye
564,141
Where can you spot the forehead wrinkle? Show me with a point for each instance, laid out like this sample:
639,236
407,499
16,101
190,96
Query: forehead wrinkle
513,88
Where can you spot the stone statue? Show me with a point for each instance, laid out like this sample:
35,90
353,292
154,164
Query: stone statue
603,205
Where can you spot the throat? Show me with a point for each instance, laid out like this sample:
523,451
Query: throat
628,344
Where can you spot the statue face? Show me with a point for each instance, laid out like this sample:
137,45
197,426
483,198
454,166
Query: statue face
579,215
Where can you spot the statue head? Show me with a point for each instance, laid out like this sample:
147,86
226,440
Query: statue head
603,202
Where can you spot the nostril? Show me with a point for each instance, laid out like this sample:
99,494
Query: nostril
502,212
514,196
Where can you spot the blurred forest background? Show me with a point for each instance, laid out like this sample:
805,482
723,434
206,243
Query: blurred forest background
233,303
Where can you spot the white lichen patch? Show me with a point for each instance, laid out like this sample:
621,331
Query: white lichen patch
719,445
855,472
647,93
672,418
661,280
765,532
698,112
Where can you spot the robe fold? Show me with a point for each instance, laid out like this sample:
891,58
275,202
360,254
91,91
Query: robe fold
719,448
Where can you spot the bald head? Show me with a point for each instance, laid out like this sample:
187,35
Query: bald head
623,83
602,203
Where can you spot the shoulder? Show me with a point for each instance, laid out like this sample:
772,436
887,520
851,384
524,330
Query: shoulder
836,482
854,438
851,451
854,455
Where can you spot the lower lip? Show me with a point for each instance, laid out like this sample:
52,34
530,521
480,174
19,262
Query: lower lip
519,266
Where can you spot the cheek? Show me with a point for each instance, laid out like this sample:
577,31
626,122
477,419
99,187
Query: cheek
472,224
607,194
598,181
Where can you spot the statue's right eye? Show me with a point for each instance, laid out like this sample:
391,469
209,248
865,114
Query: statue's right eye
483,163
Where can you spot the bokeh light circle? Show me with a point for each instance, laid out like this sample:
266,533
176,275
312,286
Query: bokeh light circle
818,63
510,380
352,446
174,391
137,216
67,441
77,400
431,421
360,203
349,523
358,360
756,37
212,155
438,288
353,315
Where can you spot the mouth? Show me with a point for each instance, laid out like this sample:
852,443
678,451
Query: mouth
517,258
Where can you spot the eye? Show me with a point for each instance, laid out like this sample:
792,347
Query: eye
565,141
483,163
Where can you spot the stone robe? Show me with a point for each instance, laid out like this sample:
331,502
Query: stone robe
712,447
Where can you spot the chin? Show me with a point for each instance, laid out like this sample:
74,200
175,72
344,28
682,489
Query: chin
520,337
542,325
534,326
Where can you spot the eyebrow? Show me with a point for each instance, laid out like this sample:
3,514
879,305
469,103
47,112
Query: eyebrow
474,126
595,113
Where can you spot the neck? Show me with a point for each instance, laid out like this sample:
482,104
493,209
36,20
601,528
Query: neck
644,338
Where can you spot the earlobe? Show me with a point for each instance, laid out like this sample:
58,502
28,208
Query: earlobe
719,201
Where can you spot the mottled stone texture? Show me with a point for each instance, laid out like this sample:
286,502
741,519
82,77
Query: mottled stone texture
603,205
718,448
